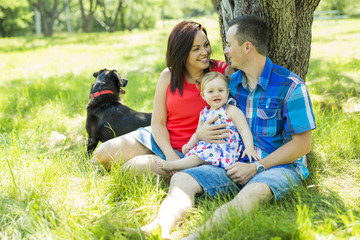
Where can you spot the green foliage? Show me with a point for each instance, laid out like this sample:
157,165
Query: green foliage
347,7
185,9
194,8
49,189
15,18
141,14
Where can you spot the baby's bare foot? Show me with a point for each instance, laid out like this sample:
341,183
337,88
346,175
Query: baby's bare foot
154,228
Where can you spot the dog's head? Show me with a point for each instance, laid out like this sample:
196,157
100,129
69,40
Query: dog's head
107,82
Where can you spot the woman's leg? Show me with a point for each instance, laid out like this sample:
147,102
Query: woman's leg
119,150
180,199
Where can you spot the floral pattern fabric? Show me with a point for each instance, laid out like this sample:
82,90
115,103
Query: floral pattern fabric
225,154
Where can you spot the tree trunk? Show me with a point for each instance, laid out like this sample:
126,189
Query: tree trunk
111,23
290,24
2,29
68,20
48,14
87,19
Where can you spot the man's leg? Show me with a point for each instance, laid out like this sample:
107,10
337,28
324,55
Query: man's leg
246,200
180,199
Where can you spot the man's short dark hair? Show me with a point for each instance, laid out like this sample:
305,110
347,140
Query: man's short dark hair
253,29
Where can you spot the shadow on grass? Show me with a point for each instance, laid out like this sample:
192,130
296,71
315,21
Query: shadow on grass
331,87
328,77
69,93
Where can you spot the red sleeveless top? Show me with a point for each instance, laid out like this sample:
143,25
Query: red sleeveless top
183,111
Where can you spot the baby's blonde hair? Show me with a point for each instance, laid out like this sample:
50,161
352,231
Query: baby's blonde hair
208,77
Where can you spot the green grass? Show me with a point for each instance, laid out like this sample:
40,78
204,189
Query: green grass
49,189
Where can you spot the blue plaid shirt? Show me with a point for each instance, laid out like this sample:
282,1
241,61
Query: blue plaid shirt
278,107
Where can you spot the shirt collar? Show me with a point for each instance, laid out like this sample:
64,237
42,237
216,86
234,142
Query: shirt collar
265,75
238,77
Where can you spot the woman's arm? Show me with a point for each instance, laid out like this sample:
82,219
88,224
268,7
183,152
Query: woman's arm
192,142
159,117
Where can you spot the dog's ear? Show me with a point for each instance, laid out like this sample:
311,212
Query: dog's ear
113,74
116,78
95,74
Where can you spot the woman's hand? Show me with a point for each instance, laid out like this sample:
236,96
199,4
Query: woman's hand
212,133
186,148
171,156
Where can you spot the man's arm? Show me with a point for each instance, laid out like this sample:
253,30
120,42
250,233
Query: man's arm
286,154
212,133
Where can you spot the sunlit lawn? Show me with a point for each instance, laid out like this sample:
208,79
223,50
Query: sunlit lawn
50,189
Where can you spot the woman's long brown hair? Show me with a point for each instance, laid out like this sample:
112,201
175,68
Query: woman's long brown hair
179,46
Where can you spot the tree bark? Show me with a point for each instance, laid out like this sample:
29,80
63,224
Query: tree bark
111,23
48,14
87,19
2,29
290,24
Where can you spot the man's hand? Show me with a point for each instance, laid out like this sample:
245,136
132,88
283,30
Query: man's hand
212,133
241,172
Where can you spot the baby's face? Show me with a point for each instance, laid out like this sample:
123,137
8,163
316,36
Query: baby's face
216,93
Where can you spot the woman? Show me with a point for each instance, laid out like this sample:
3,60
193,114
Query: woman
177,104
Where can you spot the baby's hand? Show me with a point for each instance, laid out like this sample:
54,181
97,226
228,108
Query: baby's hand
185,149
251,154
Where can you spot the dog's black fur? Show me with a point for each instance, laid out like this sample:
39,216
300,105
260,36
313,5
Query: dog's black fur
107,117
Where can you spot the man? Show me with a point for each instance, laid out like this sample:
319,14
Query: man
279,112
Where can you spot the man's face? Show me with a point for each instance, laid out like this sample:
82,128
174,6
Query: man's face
233,51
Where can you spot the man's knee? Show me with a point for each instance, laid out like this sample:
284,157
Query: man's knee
254,194
250,197
186,183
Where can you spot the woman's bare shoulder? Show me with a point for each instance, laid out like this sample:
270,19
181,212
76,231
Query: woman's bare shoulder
164,79
165,76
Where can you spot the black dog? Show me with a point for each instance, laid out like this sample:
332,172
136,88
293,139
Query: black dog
107,117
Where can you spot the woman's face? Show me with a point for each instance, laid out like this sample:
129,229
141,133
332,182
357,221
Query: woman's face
199,56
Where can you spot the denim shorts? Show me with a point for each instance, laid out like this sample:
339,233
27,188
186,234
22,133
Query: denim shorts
144,136
215,181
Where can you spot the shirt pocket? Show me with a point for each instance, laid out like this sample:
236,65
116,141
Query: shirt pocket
268,122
